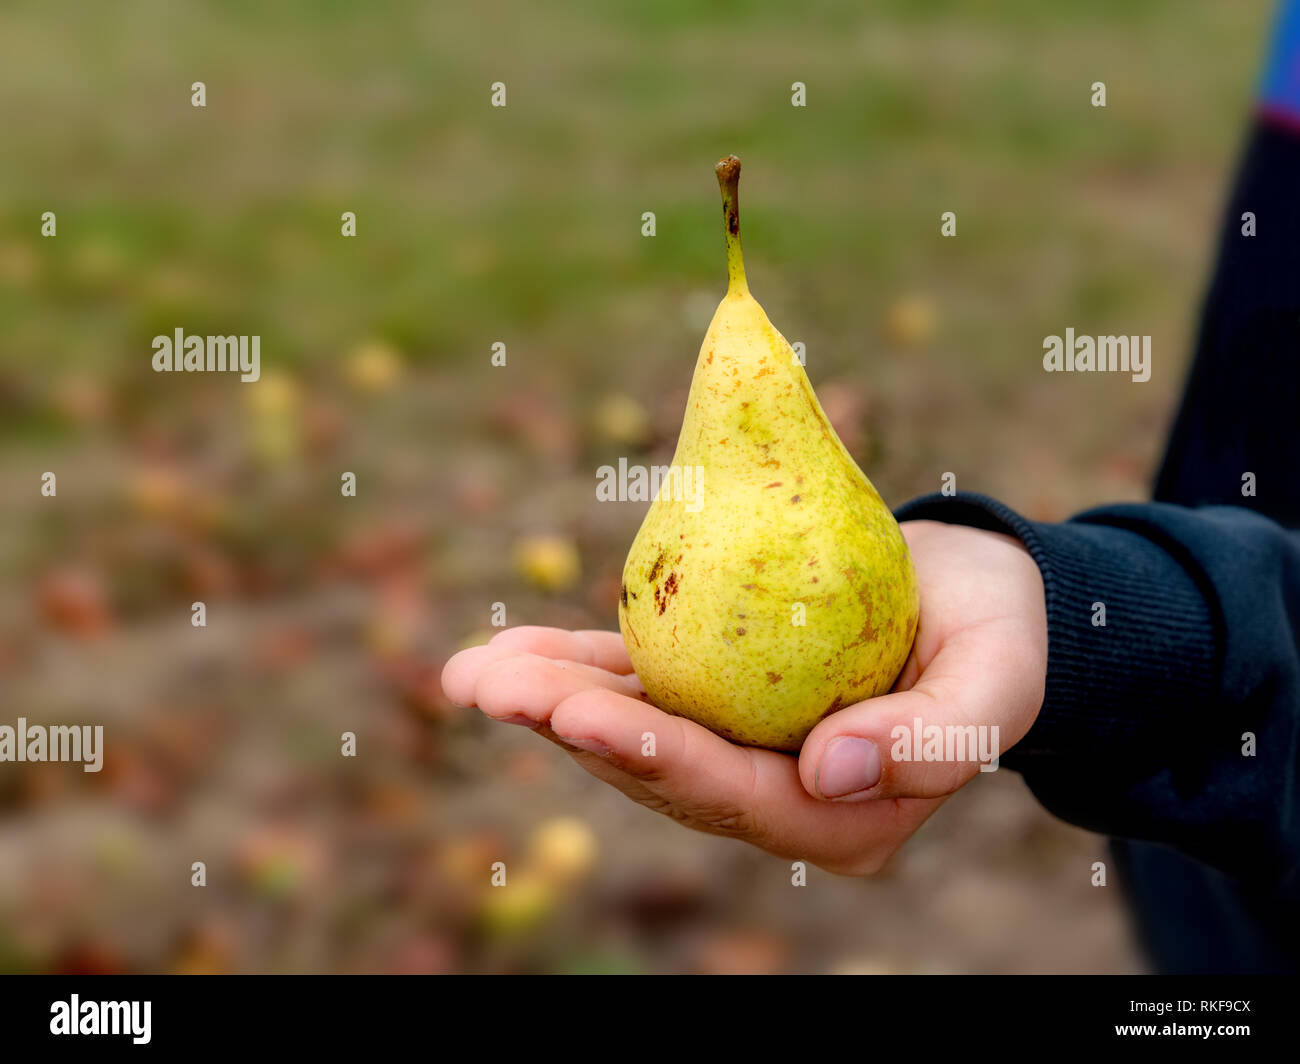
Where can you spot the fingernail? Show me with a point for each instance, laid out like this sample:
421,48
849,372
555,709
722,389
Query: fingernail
521,719
592,746
849,765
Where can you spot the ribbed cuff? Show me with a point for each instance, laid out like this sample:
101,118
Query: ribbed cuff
1115,688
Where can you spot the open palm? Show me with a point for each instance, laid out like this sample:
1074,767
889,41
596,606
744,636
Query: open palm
844,803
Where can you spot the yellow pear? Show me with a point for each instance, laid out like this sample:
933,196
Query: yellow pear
769,584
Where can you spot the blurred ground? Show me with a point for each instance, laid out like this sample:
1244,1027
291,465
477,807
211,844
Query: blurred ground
522,225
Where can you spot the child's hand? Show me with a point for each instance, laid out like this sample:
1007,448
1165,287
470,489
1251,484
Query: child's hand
980,658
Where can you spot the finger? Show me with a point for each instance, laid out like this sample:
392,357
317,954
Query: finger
654,746
724,789
925,742
461,673
528,686
604,650
601,649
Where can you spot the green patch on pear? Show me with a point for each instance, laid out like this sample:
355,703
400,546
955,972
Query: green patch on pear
778,589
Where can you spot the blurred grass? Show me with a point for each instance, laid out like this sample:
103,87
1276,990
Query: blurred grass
479,223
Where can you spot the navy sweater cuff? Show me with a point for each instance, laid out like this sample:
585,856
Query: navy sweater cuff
1117,688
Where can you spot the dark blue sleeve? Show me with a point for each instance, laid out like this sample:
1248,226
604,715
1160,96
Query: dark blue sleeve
1177,720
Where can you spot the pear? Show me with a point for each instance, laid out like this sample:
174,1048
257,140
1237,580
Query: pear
769,584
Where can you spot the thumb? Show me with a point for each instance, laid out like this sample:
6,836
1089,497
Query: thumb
922,743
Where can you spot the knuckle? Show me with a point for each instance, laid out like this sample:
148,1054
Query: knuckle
713,820
737,823
646,769
659,805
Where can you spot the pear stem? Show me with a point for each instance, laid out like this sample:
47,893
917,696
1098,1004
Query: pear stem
728,171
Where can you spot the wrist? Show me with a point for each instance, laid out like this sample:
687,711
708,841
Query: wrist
1124,666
